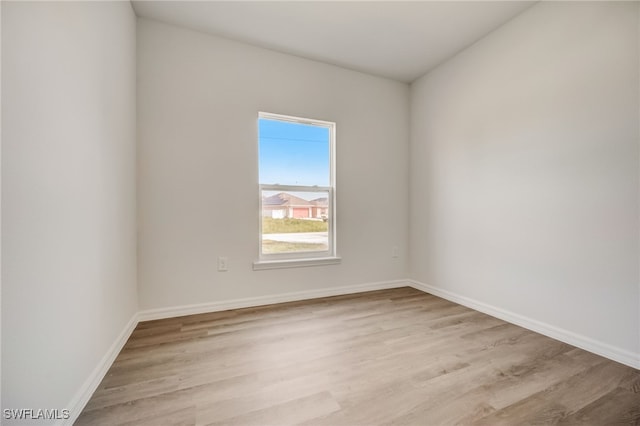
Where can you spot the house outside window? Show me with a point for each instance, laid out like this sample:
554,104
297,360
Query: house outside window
296,191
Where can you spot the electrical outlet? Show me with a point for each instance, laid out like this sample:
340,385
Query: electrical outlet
223,263
395,252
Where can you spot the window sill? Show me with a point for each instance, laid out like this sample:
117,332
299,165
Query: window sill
260,265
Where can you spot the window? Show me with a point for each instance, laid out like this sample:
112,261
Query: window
296,191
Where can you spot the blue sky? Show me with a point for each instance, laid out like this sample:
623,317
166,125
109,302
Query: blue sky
293,153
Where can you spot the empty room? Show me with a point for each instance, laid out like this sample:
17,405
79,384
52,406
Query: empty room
320,213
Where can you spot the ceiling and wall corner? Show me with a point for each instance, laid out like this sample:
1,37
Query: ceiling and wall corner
397,40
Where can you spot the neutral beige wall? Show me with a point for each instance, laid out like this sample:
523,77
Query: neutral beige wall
524,171
68,195
198,100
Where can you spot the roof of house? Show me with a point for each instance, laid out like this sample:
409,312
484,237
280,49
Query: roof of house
285,199
322,202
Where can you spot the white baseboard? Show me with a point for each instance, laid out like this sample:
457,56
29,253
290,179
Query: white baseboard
81,398
603,349
177,311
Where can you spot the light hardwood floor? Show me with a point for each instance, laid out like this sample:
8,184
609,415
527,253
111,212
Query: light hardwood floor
386,357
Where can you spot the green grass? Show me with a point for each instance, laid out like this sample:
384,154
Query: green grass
284,226
270,247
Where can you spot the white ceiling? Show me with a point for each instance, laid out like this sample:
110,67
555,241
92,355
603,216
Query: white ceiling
394,39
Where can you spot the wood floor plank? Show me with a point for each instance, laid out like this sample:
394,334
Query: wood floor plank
296,411
619,406
396,356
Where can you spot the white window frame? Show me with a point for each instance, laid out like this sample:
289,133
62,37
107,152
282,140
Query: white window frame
312,258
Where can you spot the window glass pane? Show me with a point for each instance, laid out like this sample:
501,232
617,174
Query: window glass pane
293,153
294,221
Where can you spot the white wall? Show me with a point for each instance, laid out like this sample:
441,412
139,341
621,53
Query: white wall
68,194
524,171
198,100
